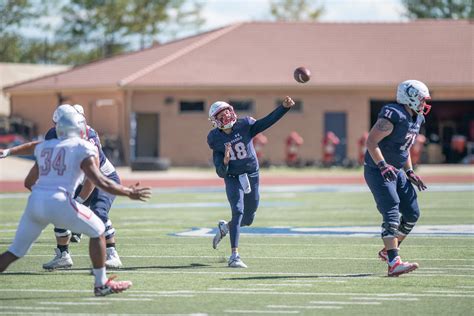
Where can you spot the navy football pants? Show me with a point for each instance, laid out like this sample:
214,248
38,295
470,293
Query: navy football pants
243,206
394,197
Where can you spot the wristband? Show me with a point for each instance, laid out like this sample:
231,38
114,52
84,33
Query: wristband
381,163
409,170
79,199
6,152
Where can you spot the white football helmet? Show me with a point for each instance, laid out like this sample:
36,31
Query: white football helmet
79,109
225,122
71,125
413,93
61,110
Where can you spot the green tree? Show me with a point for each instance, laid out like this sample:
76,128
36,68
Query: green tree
439,9
103,28
150,18
295,10
13,15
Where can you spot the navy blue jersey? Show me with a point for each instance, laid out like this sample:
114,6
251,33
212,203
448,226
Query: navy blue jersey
395,147
105,165
243,158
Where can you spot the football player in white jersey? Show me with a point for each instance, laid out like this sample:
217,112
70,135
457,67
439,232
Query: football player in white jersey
61,163
99,201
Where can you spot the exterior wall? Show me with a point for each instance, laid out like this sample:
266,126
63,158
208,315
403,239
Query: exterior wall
107,119
183,135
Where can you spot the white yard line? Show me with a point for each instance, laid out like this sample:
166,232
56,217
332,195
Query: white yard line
31,308
240,311
306,306
236,292
282,284
115,299
264,258
384,298
343,303
74,303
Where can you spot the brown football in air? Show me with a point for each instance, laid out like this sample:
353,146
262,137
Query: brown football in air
302,74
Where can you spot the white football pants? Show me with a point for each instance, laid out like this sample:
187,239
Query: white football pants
58,208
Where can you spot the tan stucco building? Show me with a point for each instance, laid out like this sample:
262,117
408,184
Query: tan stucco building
155,101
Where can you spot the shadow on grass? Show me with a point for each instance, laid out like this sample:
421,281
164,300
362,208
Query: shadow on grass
189,266
277,277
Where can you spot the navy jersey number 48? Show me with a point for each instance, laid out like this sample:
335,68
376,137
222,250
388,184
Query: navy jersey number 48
238,151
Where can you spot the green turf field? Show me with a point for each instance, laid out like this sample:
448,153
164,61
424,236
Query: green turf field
302,275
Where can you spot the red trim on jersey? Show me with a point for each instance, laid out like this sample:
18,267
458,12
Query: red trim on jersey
73,204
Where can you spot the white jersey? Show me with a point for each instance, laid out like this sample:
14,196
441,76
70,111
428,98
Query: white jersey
59,163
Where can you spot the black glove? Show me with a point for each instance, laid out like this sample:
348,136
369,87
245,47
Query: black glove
416,180
389,172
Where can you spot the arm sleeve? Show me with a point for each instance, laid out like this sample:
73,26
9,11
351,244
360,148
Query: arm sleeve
264,123
218,159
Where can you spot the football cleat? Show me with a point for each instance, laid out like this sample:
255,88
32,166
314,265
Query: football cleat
112,287
112,260
222,230
76,237
236,262
400,267
62,260
383,255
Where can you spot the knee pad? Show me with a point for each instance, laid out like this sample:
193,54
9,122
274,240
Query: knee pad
405,227
390,230
248,220
109,230
59,232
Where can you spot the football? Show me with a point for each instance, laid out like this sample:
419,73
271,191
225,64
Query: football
302,74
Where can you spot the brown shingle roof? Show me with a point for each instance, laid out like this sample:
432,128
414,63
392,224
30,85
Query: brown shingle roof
265,54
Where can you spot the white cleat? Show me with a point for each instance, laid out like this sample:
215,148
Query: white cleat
112,260
62,260
222,230
236,262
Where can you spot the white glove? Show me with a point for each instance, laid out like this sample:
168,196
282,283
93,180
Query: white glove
5,153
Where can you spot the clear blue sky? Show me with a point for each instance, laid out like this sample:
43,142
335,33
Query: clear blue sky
223,12
218,13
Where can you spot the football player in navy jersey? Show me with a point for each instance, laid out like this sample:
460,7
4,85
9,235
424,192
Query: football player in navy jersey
235,160
389,173
98,200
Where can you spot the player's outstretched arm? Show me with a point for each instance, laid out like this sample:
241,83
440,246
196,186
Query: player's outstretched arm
135,192
25,149
267,121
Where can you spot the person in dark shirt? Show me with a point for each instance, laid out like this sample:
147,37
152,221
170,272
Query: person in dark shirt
235,160
388,153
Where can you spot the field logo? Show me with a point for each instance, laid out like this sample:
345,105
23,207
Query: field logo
339,231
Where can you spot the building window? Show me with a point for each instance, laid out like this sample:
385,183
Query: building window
298,107
191,106
242,105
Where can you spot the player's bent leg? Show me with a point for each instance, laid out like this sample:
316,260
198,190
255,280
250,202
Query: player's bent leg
29,229
222,231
